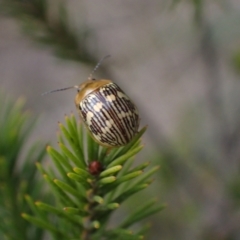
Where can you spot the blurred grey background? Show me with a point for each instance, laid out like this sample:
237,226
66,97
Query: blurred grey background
179,61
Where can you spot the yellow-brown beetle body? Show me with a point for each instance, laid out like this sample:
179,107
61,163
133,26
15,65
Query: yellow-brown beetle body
110,116
107,111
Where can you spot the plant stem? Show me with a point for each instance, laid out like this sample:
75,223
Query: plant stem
89,229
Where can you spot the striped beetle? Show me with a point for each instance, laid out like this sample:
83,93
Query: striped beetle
110,116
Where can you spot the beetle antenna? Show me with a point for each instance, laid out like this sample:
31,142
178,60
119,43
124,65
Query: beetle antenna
97,66
61,89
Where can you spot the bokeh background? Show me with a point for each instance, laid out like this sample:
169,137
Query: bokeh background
178,60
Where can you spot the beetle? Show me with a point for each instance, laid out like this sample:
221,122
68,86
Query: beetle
108,113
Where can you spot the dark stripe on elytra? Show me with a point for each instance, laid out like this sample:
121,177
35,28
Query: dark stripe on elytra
119,103
115,116
108,108
113,128
126,121
116,104
100,115
124,103
94,126
124,106
88,104
132,114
